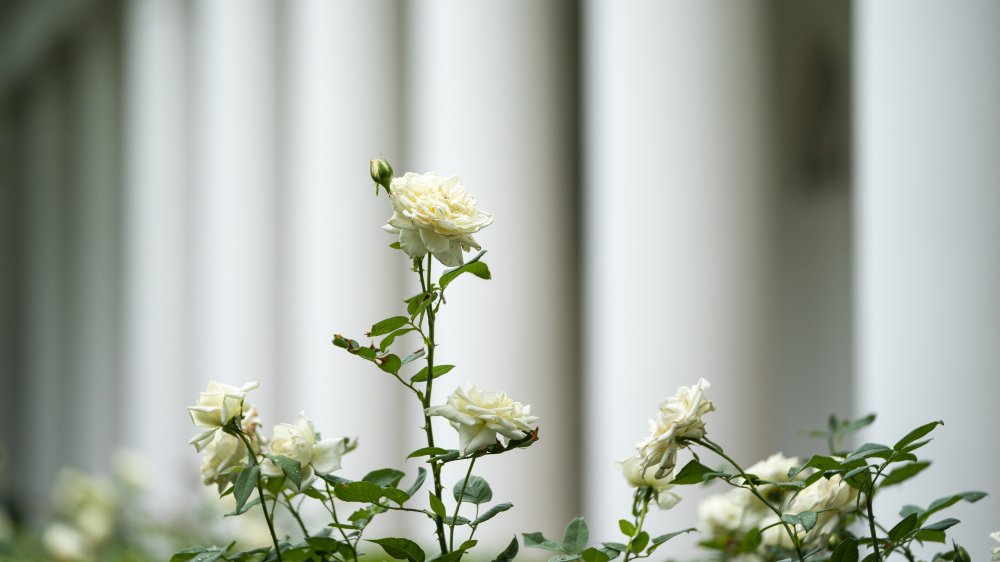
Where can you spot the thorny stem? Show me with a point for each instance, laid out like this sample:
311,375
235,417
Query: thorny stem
715,448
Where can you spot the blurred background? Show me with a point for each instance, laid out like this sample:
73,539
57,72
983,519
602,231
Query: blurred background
799,201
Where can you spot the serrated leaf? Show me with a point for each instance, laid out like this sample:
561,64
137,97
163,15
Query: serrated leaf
439,370
425,451
493,512
401,549
627,528
290,468
916,434
358,492
385,477
575,536
846,551
693,473
903,528
437,506
903,473
639,542
477,490
388,325
245,484
594,555
508,553
537,540
473,266
390,363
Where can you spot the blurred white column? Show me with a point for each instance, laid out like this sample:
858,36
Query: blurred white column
233,324
45,404
156,369
94,185
679,204
491,96
343,83
928,243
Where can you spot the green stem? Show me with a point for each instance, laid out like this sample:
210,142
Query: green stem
295,514
333,512
461,495
715,448
640,518
871,525
426,285
260,492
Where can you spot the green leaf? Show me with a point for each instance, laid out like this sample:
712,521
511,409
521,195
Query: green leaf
187,554
537,540
389,363
846,551
245,484
693,473
477,490
438,371
564,557
493,512
508,553
941,525
868,450
904,473
819,462
807,519
388,340
359,492
903,528
915,446
401,549
417,482
639,542
291,468
427,451
576,536
628,529
473,266
594,555
929,535
451,521
468,544
948,501
413,356
666,537
388,325
395,495
916,434
385,477
437,506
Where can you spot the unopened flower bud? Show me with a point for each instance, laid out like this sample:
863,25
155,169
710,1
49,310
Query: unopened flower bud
381,173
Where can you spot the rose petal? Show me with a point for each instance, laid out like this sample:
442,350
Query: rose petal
327,455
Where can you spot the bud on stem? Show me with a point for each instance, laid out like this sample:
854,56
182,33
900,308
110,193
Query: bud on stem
381,173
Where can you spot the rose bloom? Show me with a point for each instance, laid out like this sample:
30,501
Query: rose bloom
774,468
478,415
826,493
225,451
436,214
996,550
634,475
63,542
299,442
216,407
727,513
679,416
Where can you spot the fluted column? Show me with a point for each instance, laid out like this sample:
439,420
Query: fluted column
678,211
928,226
491,95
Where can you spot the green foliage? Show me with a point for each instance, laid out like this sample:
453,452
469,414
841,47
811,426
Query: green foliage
473,266
401,549
476,490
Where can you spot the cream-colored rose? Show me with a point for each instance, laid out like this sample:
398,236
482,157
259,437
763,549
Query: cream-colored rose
64,543
88,501
633,474
727,513
225,451
776,535
479,415
775,469
298,442
825,494
216,407
679,416
436,214
996,551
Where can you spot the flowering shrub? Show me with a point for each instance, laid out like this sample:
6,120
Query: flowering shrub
777,509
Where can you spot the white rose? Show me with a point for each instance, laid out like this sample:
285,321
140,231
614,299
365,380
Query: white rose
634,475
216,407
679,416
478,415
224,451
65,543
727,513
825,494
298,442
775,469
436,214
996,551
